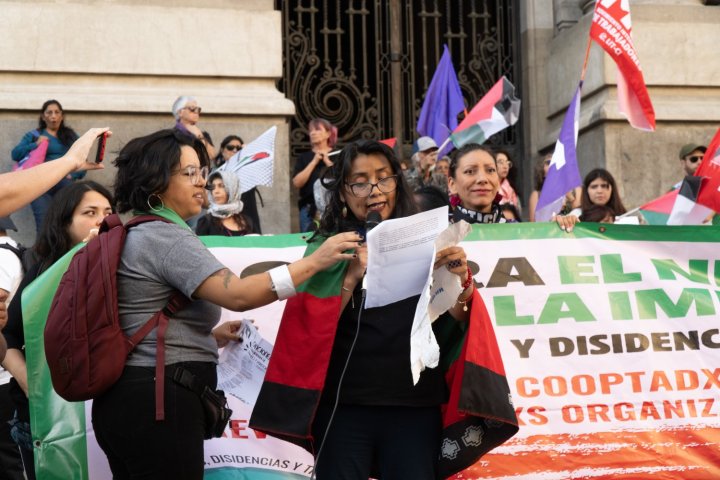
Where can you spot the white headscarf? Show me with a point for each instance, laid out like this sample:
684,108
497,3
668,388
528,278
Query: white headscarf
232,186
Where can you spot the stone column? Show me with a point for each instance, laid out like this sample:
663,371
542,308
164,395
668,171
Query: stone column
676,43
122,64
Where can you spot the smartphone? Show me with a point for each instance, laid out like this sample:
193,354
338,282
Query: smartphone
100,154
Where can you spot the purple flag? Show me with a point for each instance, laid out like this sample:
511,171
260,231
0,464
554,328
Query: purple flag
564,174
443,102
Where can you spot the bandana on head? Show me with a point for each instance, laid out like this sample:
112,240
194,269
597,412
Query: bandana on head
232,186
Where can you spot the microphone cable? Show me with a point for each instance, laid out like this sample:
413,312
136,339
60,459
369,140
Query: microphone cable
340,381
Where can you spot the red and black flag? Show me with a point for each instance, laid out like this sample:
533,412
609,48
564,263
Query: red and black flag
478,417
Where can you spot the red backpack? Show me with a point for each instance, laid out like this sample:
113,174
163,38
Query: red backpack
85,347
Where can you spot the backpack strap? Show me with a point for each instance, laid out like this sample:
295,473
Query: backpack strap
177,302
160,320
18,253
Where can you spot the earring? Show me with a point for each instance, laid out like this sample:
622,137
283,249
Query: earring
155,208
344,211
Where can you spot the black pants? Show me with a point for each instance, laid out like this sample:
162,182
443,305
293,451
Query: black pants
391,443
11,467
138,446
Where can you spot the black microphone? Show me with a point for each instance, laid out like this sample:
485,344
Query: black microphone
372,220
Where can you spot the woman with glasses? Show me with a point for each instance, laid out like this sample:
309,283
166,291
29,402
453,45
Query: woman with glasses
231,145
310,166
59,137
369,418
508,182
186,111
165,174
225,215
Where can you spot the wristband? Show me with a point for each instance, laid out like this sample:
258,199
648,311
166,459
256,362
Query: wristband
281,282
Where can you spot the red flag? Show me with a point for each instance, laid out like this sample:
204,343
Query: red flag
390,142
611,28
710,169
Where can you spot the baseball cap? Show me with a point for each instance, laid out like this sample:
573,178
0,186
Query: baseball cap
6,223
691,147
426,143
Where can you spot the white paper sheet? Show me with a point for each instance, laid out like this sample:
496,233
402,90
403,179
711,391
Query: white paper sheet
400,252
242,365
440,293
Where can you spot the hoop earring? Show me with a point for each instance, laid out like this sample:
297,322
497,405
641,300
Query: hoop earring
344,211
155,208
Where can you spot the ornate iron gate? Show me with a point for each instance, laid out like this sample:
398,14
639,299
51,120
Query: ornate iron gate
365,65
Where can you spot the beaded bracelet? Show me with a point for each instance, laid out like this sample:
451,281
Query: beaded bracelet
465,285
469,279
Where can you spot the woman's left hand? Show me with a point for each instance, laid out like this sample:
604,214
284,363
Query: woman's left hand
227,332
566,222
455,260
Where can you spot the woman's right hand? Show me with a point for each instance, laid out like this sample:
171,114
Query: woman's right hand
78,153
331,251
41,139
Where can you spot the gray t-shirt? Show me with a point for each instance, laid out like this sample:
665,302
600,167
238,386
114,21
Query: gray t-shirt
157,259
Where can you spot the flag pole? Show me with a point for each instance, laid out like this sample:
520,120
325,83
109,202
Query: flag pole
587,56
447,140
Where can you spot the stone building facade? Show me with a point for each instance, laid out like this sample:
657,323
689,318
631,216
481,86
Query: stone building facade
123,62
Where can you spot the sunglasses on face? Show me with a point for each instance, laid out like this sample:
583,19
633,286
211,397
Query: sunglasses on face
194,109
233,148
695,158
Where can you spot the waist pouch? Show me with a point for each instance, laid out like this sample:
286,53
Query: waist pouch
217,413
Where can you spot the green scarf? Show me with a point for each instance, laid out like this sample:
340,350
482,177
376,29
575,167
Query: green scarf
166,213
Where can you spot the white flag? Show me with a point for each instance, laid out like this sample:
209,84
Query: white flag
254,163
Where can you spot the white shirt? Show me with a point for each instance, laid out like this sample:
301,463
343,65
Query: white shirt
10,276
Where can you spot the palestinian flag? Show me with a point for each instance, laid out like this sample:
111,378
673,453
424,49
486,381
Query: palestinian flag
687,210
479,416
657,212
496,111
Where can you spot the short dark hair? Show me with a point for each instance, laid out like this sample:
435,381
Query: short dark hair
615,204
509,207
219,160
430,197
334,180
54,240
464,150
146,163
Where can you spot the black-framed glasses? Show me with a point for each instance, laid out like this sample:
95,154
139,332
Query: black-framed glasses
233,148
364,189
695,158
196,175
195,109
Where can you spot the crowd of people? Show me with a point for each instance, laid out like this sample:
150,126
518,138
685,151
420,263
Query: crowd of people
175,174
